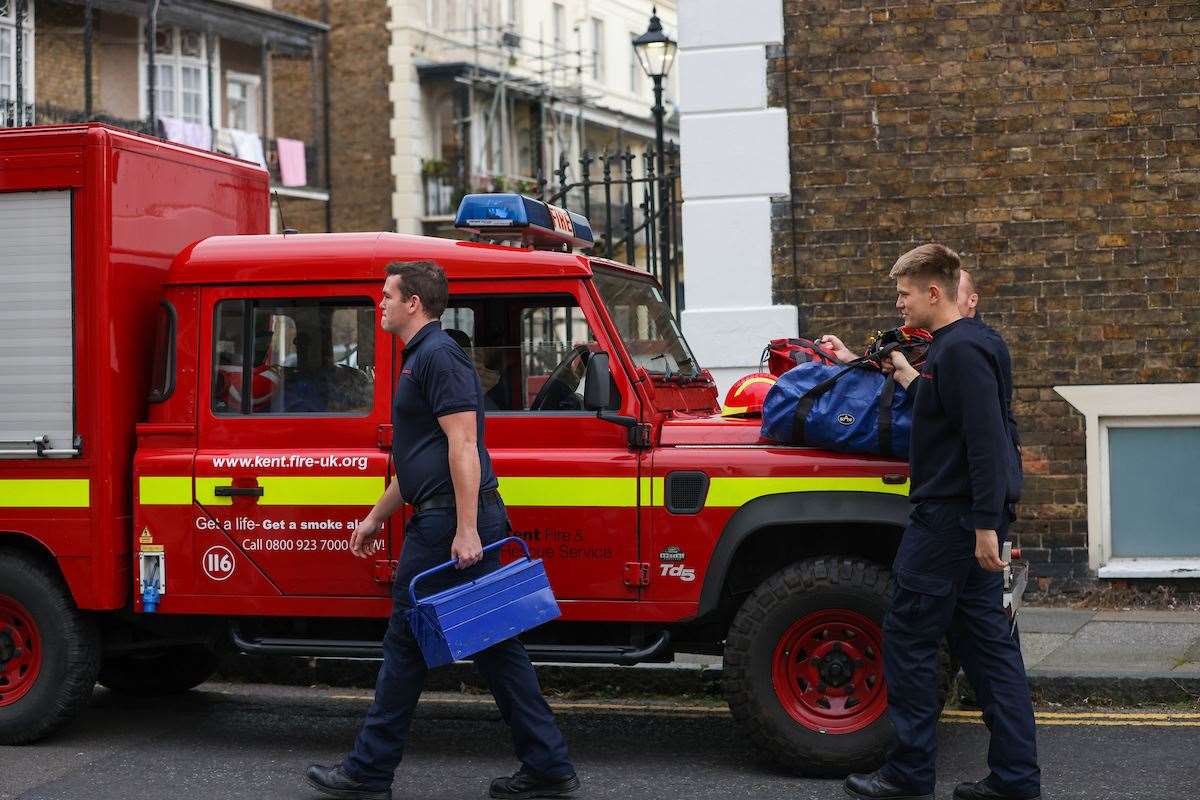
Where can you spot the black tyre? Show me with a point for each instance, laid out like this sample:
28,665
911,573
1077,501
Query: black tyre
49,651
155,673
803,670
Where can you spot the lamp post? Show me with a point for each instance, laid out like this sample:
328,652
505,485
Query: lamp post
656,53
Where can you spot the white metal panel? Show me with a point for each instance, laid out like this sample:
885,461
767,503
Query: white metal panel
37,394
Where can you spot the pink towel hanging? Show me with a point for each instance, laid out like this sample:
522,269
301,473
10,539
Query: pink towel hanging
292,170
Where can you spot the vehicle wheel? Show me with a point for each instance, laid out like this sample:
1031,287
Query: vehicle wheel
49,651
803,669
154,673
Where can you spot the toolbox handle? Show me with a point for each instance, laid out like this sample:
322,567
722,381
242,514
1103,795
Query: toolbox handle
412,585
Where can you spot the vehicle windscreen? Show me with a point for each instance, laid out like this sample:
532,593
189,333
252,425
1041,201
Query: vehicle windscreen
646,325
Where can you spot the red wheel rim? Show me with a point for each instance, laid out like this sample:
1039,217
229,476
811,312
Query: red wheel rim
828,671
20,651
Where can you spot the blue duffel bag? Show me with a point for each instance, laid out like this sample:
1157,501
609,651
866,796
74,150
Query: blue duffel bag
849,408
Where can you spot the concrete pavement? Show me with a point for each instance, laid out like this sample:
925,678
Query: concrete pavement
1073,656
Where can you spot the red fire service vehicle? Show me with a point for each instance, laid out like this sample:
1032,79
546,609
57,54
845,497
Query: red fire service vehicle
194,415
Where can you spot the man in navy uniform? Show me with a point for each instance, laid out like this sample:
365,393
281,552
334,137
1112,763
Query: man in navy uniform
443,469
965,479
967,300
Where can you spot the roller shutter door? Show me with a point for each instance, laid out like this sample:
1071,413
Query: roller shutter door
37,361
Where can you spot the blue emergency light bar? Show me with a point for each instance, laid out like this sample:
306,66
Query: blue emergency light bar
515,216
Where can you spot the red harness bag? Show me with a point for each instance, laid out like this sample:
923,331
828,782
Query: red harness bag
782,355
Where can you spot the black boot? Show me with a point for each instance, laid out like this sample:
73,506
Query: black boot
877,787
983,790
524,784
333,782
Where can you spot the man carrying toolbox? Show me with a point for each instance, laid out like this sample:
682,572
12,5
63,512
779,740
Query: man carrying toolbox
443,469
965,478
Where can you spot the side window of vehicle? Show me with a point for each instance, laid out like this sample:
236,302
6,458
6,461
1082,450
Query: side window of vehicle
530,352
305,356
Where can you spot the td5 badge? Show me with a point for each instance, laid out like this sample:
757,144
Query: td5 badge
673,565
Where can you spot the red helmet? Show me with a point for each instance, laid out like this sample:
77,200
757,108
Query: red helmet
745,398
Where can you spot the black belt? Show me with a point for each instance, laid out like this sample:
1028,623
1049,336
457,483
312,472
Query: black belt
489,497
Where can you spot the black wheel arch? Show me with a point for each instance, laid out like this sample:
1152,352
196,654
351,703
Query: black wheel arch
795,509
33,548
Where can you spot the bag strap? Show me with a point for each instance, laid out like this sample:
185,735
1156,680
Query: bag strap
885,418
805,405
809,399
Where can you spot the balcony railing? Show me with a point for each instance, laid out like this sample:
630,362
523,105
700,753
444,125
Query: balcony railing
441,195
313,165
441,192
49,114
13,115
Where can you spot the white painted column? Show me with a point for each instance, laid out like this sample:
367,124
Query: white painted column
406,127
734,152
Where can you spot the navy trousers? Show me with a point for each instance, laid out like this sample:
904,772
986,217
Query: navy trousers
941,591
377,752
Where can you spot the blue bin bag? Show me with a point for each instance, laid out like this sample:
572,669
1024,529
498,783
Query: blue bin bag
459,622
850,409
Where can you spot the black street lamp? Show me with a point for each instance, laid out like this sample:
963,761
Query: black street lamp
656,53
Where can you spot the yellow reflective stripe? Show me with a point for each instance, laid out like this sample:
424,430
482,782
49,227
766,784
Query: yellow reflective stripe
320,491
160,491
204,491
565,492
623,492
652,491
44,493
550,492
733,492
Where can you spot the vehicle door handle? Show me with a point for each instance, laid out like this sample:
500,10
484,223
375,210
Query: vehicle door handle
238,491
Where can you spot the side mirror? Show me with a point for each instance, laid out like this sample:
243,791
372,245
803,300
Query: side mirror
599,377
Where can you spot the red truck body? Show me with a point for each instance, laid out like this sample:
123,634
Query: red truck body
181,512
132,205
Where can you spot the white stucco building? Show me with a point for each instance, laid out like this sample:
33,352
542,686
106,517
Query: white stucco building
488,94
734,160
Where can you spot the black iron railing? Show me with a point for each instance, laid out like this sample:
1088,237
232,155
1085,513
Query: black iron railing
50,114
635,213
14,115
313,165
620,193
440,194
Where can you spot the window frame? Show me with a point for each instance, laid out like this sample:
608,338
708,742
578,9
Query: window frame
1127,405
254,99
599,62
512,16
8,23
535,300
636,73
558,24
177,60
163,393
250,305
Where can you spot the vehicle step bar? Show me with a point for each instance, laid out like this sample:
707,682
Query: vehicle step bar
345,648
600,654
321,648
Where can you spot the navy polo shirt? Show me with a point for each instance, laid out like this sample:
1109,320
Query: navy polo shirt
964,445
437,378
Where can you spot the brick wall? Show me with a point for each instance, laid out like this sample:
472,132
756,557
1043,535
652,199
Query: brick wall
1052,143
58,55
360,111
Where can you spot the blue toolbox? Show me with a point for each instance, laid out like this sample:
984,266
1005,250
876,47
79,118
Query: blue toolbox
462,620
